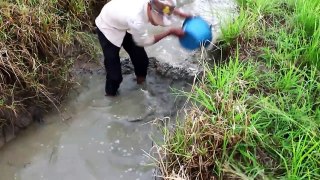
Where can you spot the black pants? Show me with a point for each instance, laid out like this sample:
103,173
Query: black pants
112,64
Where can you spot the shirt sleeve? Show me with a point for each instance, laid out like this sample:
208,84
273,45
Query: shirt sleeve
140,34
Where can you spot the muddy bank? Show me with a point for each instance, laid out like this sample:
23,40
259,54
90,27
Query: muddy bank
186,71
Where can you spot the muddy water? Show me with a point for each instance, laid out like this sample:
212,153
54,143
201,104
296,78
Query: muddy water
97,139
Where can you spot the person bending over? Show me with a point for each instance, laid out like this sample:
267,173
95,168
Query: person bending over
123,23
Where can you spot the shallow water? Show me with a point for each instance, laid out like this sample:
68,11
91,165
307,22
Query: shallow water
97,140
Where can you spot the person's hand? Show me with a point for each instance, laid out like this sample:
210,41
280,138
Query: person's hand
177,32
189,15
183,14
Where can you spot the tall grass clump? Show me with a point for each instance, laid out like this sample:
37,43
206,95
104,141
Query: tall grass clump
257,115
37,42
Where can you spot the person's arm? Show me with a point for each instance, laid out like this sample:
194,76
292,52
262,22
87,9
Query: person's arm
141,36
181,14
178,32
147,40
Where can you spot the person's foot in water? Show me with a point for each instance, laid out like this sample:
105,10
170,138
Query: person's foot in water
112,94
141,80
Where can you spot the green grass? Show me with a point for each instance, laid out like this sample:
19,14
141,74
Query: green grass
257,116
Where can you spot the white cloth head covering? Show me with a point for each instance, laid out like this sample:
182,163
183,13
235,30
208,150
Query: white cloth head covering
162,11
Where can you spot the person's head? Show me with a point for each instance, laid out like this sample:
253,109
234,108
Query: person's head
160,11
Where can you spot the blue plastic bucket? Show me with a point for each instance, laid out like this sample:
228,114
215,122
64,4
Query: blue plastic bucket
197,33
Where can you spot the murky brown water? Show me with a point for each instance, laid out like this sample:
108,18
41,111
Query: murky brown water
98,141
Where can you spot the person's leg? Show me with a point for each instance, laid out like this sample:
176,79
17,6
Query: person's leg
112,65
138,56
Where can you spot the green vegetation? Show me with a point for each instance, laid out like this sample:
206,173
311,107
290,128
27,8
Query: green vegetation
256,116
37,42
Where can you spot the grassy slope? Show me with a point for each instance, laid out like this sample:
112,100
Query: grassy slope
37,38
256,116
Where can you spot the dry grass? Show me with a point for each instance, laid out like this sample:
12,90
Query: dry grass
195,147
38,41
